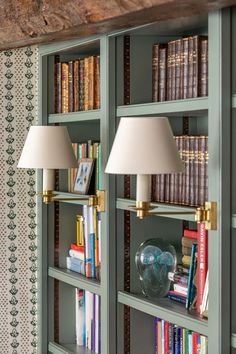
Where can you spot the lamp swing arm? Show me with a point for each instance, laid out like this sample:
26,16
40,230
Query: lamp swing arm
206,214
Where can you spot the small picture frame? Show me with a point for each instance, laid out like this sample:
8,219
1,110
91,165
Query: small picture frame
83,176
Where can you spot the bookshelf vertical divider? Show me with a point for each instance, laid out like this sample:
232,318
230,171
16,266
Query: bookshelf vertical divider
219,120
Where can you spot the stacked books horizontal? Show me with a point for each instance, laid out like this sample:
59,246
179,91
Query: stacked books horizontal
170,338
91,150
180,69
85,255
190,281
190,187
77,84
88,320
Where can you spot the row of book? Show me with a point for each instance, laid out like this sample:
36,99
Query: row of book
85,255
91,150
190,187
77,84
190,281
172,339
88,320
180,69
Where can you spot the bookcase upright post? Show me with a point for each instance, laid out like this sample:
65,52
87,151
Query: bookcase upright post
219,120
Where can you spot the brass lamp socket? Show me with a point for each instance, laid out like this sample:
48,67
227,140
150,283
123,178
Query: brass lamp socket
48,196
143,209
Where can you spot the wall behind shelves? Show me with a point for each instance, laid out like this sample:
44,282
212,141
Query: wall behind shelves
18,247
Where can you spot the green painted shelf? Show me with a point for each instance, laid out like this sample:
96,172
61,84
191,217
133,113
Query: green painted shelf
193,106
123,204
166,309
75,279
67,349
83,116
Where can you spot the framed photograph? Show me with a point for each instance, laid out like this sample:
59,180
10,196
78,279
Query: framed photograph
83,176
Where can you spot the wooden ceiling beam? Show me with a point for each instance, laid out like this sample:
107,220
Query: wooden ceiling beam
25,22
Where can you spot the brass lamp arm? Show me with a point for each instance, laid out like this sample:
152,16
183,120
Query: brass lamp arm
97,200
206,214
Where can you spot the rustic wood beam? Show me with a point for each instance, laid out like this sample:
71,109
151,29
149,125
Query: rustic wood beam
25,22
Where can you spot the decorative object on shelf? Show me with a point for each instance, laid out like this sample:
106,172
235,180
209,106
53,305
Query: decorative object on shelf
154,259
83,176
50,148
151,139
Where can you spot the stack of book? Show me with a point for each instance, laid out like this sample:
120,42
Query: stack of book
170,338
88,320
91,150
190,281
77,84
180,69
190,187
85,255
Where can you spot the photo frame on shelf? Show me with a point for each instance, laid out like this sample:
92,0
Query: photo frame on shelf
83,176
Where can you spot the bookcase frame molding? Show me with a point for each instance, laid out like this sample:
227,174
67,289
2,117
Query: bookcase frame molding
218,107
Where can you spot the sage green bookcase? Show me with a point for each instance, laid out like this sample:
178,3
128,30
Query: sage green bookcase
210,115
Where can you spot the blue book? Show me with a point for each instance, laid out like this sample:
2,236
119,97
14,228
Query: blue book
190,279
190,343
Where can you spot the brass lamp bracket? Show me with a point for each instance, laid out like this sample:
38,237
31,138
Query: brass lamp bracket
97,200
206,214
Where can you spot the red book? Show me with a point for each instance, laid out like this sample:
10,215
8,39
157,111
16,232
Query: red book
195,342
73,246
190,233
166,334
202,265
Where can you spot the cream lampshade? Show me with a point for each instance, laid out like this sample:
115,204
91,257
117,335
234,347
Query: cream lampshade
144,146
49,148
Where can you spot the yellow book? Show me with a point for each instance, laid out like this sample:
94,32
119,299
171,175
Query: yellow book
79,230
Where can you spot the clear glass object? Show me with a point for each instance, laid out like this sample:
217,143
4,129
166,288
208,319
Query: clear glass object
154,259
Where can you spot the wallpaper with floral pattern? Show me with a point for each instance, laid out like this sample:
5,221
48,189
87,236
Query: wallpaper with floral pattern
18,227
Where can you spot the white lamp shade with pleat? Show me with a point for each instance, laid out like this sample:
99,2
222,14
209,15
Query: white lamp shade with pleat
144,145
47,147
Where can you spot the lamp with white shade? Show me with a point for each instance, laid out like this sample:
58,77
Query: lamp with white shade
50,148
144,146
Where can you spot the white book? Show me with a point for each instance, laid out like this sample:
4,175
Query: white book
76,254
181,289
79,316
89,318
96,323
205,295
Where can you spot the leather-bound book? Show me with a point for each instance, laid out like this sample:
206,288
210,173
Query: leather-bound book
64,87
180,175
187,171
173,70
57,85
91,71
192,169
196,170
190,68
176,176
70,86
86,83
178,51
203,71
162,188
201,170
162,72
184,68
155,72
81,85
183,158
97,82
169,71
76,86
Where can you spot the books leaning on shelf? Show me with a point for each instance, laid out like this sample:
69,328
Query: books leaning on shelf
190,281
77,84
88,320
170,338
91,150
190,187
85,255
180,69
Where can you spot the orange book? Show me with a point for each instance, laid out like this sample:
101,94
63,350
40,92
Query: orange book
91,70
86,84
64,87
